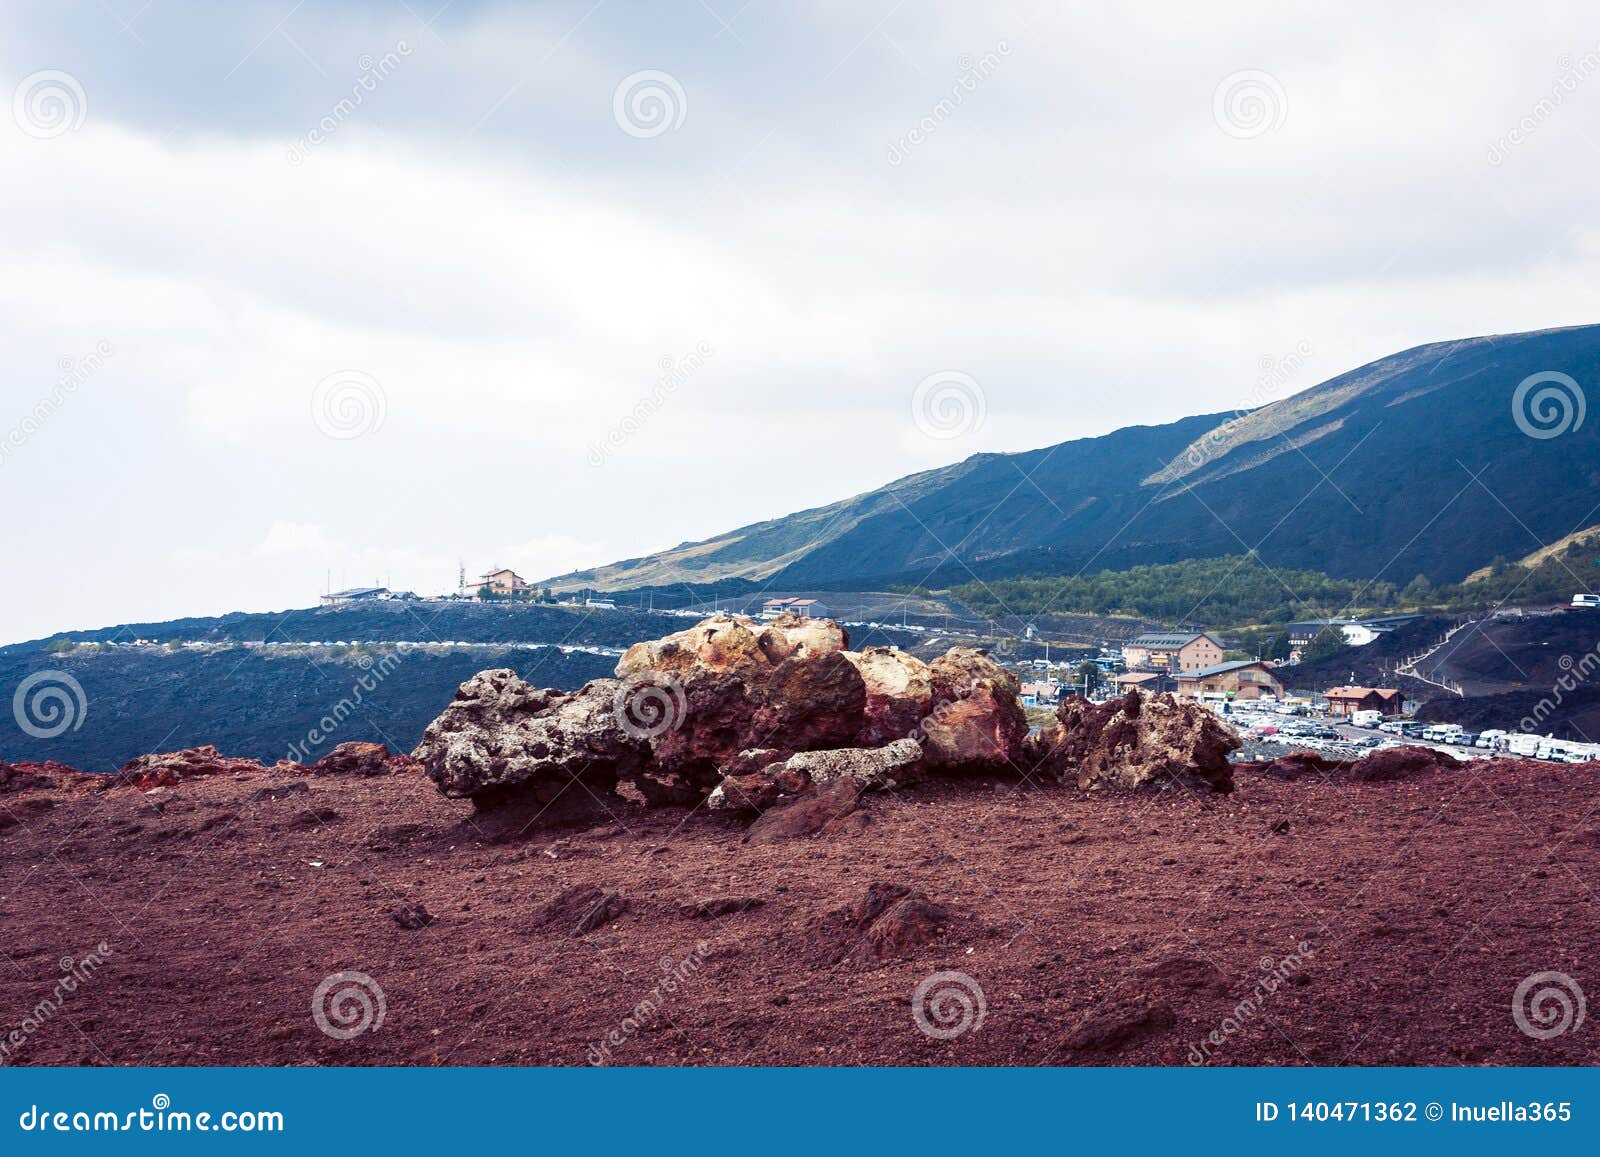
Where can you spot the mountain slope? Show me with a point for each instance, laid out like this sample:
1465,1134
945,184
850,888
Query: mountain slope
1409,465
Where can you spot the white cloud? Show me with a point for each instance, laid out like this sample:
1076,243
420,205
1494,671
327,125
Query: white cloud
1079,237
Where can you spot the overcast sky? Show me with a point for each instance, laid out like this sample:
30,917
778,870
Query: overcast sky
372,287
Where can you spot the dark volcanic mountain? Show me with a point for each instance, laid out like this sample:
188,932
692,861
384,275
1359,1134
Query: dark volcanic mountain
1414,464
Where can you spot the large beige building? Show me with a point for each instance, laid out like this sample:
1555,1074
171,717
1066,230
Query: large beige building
1174,651
1240,679
504,581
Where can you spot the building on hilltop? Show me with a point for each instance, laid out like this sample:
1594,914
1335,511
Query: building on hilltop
805,608
354,594
1172,651
1356,632
503,581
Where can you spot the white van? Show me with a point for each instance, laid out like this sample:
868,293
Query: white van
1520,744
1586,600
1366,718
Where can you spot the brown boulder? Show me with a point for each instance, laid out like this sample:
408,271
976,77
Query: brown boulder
1407,762
364,759
807,815
977,723
1135,741
757,790
501,737
983,732
899,689
169,768
738,685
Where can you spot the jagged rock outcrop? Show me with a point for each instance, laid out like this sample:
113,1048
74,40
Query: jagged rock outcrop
364,759
733,684
873,768
1136,741
170,768
745,714
899,693
977,723
503,737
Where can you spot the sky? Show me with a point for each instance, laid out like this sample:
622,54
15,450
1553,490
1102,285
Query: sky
299,292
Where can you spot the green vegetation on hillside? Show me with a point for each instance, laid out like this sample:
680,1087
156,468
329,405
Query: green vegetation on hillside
1219,592
1236,591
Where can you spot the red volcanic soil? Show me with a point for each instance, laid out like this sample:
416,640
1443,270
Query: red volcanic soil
1101,929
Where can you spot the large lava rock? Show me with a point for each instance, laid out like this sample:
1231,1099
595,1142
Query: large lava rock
501,737
873,768
977,723
899,693
1136,741
734,685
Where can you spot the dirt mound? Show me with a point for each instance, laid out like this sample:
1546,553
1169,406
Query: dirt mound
1390,764
1136,741
819,811
1398,763
886,922
579,910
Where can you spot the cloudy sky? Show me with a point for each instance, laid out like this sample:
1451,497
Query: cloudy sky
370,287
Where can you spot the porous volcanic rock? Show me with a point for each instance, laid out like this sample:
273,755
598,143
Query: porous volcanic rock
899,693
501,737
732,685
977,723
359,758
1136,741
874,768
170,768
809,814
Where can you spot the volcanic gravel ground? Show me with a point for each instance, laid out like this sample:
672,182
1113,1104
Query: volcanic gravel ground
1100,929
